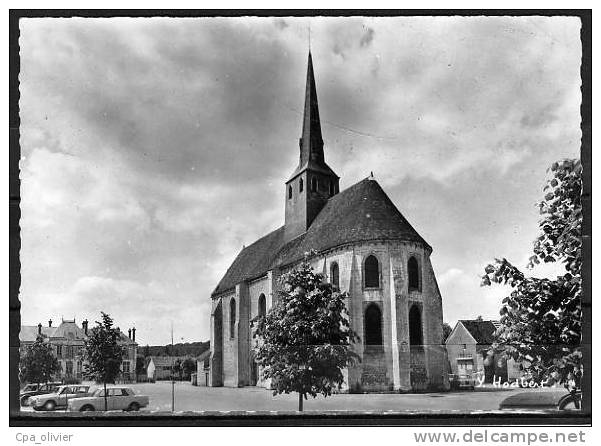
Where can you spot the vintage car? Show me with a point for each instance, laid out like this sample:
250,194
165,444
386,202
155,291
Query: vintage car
543,400
117,398
58,399
462,381
36,389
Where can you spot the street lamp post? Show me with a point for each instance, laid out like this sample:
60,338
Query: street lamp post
172,380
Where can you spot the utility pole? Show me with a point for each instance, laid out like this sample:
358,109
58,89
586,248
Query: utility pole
172,380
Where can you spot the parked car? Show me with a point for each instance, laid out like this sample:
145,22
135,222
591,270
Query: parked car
58,399
462,381
118,398
541,400
36,389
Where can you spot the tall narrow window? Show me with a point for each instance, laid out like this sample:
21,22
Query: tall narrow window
415,326
262,305
334,280
300,185
373,325
232,318
313,184
289,192
413,271
372,272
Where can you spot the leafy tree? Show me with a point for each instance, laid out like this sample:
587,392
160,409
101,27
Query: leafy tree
188,366
541,318
38,363
140,365
177,368
446,331
146,351
104,353
305,340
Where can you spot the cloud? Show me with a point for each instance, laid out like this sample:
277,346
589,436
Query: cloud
151,157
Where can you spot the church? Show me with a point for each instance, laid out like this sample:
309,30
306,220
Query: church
364,246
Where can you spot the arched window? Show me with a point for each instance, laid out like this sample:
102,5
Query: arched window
334,276
413,271
415,326
314,184
232,318
289,192
262,305
300,185
372,272
373,325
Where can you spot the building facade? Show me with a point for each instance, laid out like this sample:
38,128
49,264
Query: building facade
365,247
68,340
469,352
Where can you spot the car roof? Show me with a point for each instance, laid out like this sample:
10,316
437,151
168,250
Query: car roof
534,398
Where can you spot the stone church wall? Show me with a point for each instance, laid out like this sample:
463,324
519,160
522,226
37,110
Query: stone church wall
392,366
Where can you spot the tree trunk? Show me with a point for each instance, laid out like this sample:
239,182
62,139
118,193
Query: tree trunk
300,402
105,401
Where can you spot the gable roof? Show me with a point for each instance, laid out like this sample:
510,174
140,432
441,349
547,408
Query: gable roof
482,331
164,361
360,213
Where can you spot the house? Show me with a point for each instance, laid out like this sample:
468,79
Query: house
160,367
203,368
468,349
363,245
68,341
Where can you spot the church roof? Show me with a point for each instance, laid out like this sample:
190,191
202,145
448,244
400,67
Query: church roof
363,212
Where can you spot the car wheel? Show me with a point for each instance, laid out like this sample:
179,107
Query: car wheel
50,405
87,408
569,403
134,407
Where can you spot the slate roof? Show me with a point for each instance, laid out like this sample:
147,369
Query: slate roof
360,213
29,333
482,331
165,361
68,329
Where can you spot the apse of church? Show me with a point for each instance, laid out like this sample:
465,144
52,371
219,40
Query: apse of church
365,247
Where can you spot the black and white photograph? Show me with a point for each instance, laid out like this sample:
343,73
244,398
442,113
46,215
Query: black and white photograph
304,214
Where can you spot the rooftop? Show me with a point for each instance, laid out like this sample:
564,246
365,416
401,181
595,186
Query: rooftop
363,212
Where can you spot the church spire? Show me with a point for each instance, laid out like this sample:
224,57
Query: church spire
311,142
312,183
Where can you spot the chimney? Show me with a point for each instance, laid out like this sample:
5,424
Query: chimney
84,325
133,334
39,328
129,333
50,323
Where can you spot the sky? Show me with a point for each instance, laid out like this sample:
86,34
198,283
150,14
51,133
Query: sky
154,149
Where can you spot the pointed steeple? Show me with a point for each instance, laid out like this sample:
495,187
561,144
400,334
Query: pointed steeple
311,142
312,183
